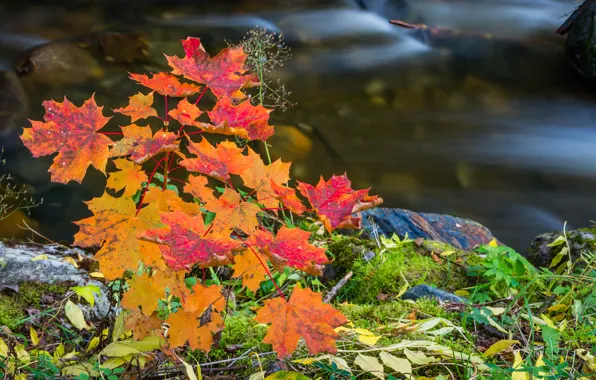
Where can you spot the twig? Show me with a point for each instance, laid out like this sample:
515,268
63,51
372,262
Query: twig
333,292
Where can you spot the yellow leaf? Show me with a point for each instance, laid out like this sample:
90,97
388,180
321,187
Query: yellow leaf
33,335
118,327
493,243
419,357
40,257
309,361
59,352
190,371
97,275
540,363
366,336
22,376
499,347
370,364
548,321
447,253
92,343
587,357
71,261
75,316
400,365
87,292
3,348
462,293
496,310
82,368
129,346
558,307
517,362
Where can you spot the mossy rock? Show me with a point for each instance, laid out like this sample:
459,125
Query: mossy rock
13,305
391,271
540,254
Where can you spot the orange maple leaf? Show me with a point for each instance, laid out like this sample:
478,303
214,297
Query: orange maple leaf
139,107
335,202
303,316
141,325
168,200
185,242
224,74
198,318
249,265
145,291
217,162
231,212
130,177
115,226
245,120
197,186
186,113
290,248
166,84
259,177
70,131
287,196
141,144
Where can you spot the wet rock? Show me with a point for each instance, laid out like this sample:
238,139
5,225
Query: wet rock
580,46
541,255
13,105
24,264
460,233
422,291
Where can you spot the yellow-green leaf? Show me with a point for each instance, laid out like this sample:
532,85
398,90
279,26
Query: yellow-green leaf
59,352
78,369
75,316
499,347
87,292
493,243
400,365
366,336
129,346
190,372
419,357
286,375
33,335
371,365
40,257
517,362
118,327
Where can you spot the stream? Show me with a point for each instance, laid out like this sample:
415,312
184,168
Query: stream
484,118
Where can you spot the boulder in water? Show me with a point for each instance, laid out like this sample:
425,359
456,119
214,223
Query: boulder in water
580,46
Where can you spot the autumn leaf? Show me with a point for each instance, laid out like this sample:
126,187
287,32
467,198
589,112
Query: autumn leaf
197,186
224,74
244,120
335,202
115,226
70,131
141,325
139,107
169,200
259,176
231,212
166,84
303,316
217,162
291,248
287,196
145,291
248,266
185,242
198,319
130,177
141,144
186,113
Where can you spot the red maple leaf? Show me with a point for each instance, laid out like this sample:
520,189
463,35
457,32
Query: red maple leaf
287,196
141,144
166,84
217,162
185,242
186,113
243,117
224,74
291,248
139,107
70,131
335,202
303,316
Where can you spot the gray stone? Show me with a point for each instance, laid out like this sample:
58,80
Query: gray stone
17,266
541,255
421,291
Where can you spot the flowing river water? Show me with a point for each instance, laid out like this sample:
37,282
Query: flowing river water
484,118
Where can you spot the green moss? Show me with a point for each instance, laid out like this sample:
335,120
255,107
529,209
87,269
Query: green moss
386,274
347,250
30,293
12,310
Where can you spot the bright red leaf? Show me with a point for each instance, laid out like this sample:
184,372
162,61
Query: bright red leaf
303,316
185,242
70,131
224,74
139,107
217,162
335,202
141,144
291,248
166,84
254,120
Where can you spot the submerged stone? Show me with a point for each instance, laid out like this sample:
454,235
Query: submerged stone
580,46
460,233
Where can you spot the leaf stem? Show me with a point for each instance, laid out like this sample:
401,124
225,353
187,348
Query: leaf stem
165,171
148,182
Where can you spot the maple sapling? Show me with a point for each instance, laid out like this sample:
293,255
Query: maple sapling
150,230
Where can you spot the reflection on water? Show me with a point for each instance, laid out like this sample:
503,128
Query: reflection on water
484,119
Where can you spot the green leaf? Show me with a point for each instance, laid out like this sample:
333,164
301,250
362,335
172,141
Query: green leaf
400,365
75,316
551,338
87,292
370,364
286,375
